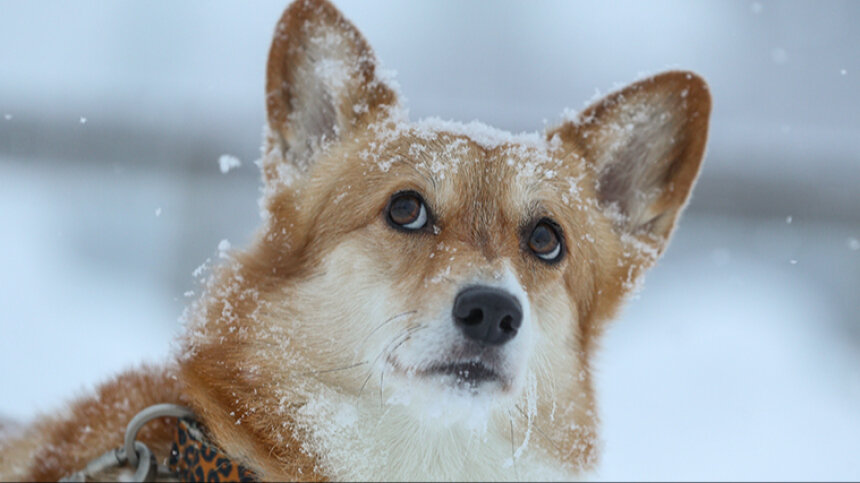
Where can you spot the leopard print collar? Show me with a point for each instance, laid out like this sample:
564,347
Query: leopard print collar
194,458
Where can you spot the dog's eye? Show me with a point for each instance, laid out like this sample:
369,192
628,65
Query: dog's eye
407,211
545,241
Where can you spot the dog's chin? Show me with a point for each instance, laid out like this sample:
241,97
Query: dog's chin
449,394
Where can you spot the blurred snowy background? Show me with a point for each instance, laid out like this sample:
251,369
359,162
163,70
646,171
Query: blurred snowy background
741,358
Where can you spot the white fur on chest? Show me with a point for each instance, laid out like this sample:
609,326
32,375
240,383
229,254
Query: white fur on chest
371,441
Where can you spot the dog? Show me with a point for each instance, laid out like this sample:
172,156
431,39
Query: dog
424,299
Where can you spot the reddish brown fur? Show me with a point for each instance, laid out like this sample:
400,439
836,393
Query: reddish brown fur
93,425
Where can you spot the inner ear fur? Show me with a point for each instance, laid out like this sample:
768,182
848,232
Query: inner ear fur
644,145
321,83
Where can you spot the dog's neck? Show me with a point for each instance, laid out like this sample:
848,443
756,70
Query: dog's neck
354,437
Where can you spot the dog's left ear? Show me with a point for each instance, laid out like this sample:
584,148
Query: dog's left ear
644,145
321,84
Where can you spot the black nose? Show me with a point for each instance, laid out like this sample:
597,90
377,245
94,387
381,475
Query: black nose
487,315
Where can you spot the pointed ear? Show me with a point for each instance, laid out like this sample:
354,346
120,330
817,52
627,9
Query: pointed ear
321,84
644,145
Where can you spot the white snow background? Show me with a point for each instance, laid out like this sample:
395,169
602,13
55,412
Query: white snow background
739,360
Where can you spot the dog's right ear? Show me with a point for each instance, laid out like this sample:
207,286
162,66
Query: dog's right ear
644,145
321,84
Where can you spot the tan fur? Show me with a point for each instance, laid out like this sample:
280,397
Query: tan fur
288,328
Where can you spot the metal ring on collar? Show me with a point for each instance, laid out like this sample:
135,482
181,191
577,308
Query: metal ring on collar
138,421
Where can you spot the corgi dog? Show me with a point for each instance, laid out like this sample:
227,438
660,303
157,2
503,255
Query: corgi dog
424,299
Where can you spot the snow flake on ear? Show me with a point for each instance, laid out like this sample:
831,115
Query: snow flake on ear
334,72
640,252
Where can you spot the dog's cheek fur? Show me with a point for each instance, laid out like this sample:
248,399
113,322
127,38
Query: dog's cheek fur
251,366
563,401
569,302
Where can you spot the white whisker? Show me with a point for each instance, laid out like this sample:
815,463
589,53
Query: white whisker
538,429
324,371
513,460
385,352
387,321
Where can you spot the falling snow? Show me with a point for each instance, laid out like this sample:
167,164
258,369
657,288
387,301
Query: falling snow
223,248
227,162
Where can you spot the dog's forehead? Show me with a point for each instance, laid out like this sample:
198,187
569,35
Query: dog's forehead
463,162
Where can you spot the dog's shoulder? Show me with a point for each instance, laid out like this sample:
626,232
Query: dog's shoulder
60,444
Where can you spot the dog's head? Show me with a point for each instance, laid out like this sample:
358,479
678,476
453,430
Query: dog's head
454,272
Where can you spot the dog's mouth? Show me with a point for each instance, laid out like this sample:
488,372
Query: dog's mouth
469,374
467,367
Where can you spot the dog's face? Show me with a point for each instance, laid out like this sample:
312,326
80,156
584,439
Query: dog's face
453,272
450,267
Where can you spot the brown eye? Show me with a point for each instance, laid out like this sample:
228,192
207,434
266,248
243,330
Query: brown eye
407,211
545,241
